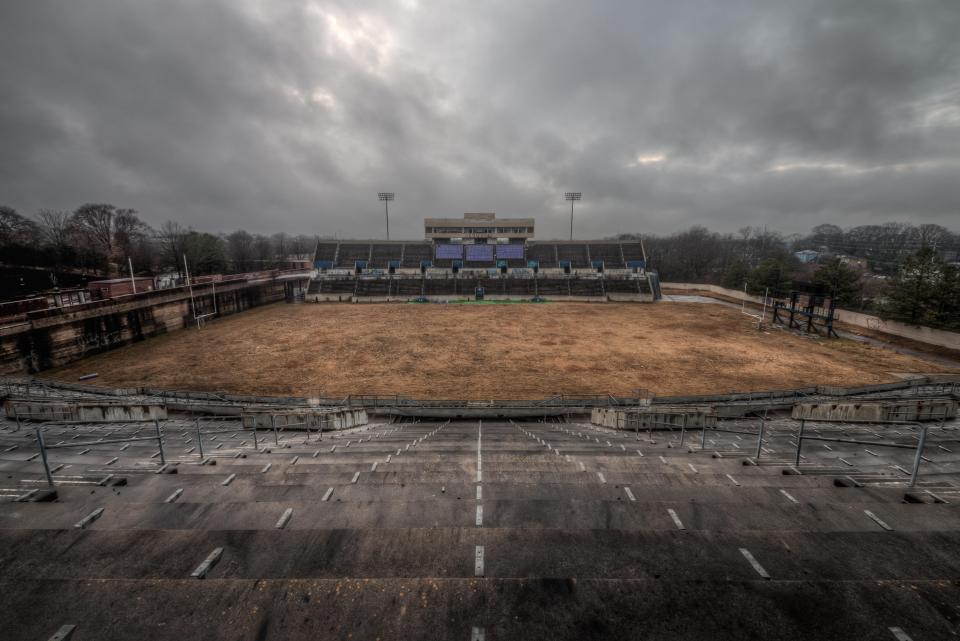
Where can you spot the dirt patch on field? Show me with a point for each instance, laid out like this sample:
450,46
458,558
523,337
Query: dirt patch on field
490,351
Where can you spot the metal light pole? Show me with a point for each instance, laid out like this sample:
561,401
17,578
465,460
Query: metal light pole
572,196
386,197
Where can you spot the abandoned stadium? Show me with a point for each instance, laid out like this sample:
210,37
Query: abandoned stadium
730,483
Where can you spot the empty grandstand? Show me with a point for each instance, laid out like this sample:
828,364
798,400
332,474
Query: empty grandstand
481,256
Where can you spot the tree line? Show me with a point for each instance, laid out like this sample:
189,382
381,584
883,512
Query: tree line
104,239
900,271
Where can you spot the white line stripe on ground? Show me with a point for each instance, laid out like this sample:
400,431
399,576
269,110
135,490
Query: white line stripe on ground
477,634
479,492
356,477
877,519
733,480
600,476
326,496
629,493
282,522
900,635
789,496
478,561
173,497
756,566
676,519
479,515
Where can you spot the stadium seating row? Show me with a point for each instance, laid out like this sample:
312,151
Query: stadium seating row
383,255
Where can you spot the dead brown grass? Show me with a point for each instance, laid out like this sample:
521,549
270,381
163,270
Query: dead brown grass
490,351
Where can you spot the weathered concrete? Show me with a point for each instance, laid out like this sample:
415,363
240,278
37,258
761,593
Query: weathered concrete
907,410
83,412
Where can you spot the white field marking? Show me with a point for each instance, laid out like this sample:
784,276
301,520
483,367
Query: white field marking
229,479
897,467
282,523
583,468
173,497
479,476
388,458
609,444
840,458
827,446
398,452
899,634
207,564
789,496
676,519
693,468
663,460
479,515
479,492
478,561
333,448
629,493
316,454
356,477
567,456
870,452
945,450
639,453
733,480
479,634
623,447
294,460
88,519
348,443
756,566
600,476
326,496
112,461
878,520
84,451
373,468
266,468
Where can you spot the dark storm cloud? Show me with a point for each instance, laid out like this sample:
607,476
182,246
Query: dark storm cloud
291,115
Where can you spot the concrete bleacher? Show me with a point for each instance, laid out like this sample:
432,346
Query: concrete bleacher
349,253
479,529
416,253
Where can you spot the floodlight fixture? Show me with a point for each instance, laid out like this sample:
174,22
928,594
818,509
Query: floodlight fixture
386,197
572,196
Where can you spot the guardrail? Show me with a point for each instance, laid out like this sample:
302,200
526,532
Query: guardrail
918,457
44,447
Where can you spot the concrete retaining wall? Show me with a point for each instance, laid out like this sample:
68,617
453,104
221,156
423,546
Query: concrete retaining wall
661,418
930,336
84,412
878,411
304,419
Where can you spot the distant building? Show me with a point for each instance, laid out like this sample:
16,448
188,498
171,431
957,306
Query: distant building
478,226
806,256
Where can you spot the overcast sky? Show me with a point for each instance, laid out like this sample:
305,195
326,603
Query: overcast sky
290,116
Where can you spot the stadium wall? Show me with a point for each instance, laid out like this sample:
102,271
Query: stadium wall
51,338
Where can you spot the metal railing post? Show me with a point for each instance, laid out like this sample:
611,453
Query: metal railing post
156,424
760,439
919,456
196,422
803,423
683,430
43,457
273,424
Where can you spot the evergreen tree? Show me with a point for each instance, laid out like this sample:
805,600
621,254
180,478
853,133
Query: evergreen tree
839,281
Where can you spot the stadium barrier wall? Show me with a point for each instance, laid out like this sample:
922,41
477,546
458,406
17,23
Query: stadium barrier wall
48,340
928,335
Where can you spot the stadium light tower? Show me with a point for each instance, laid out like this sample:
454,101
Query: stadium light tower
572,196
386,197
